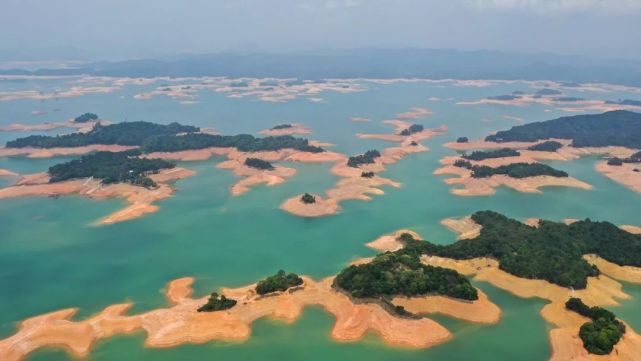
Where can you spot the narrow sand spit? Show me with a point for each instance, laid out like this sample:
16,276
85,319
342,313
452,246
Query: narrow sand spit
294,129
352,185
54,152
360,120
630,228
465,227
390,242
601,291
252,176
180,323
7,173
80,127
140,199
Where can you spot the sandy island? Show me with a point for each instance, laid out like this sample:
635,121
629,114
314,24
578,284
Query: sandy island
624,174
80,127
294,129
352,186
601,291
180,323
141,200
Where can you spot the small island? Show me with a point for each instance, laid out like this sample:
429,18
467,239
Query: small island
600,335
412,129
217,302
547,146
366,158
258,164
499,153
86,117
278,282
518,170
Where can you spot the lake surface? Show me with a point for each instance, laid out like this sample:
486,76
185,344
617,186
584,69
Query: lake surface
53,257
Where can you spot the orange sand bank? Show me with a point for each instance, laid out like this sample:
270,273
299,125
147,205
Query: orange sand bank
140,199
53,152
180,323
80,127
7,173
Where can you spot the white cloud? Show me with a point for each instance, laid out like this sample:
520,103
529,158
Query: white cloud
560,5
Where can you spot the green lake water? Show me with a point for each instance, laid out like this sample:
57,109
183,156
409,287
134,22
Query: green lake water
52,256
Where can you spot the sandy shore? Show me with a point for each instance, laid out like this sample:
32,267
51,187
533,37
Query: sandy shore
623,174
80,127
464,227
390,242
601,291
54,152
180,323
352,186
294,129
141,200
7,173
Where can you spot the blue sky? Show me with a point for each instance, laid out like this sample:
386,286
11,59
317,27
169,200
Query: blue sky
146,28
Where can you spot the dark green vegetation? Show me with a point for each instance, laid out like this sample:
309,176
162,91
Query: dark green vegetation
414,128
84,118
499,153
552,251
517,170
278,282
243,142
308,198
547,146
601,334
110,168
128,133
618,128
634,158
402,273
462,140
258,164
367,174
281,126
153,137
217,302
462,163
366,158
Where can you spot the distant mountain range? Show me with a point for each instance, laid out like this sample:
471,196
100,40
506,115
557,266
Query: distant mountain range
370,63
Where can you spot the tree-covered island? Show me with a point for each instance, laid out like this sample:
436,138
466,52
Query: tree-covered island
547,146
258,164
278,282
84,118
499,153
601,334
514,170
281,126
412,129
365,158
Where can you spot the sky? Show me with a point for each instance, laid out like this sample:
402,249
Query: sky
117,29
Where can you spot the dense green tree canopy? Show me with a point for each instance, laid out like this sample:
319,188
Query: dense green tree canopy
278,282
601,334
499,153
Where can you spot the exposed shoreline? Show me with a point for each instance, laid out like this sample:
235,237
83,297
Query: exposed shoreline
294,129
141,200
70,123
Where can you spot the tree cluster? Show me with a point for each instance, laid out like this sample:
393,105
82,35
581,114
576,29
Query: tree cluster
517,170
243,142
499,153
634,158
109,167
308,198
84,118
414,128
217,302
462,140
616,128
547,146
552,251
278,282
258,164
601,334
365,158
281,126
401,273
367,174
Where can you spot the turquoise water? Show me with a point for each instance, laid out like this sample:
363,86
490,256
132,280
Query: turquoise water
51,256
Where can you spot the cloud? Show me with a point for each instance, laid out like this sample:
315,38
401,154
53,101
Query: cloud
617,6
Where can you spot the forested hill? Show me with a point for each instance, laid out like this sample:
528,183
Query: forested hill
617,128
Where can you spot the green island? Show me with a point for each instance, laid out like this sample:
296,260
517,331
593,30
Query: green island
552,251
84,118
412,129
258,164
152,137
547,146
126,133
308,198
514,170
616,128
365,158
601,334
499,153
278,282
217,302
281,126
401,273
110,167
